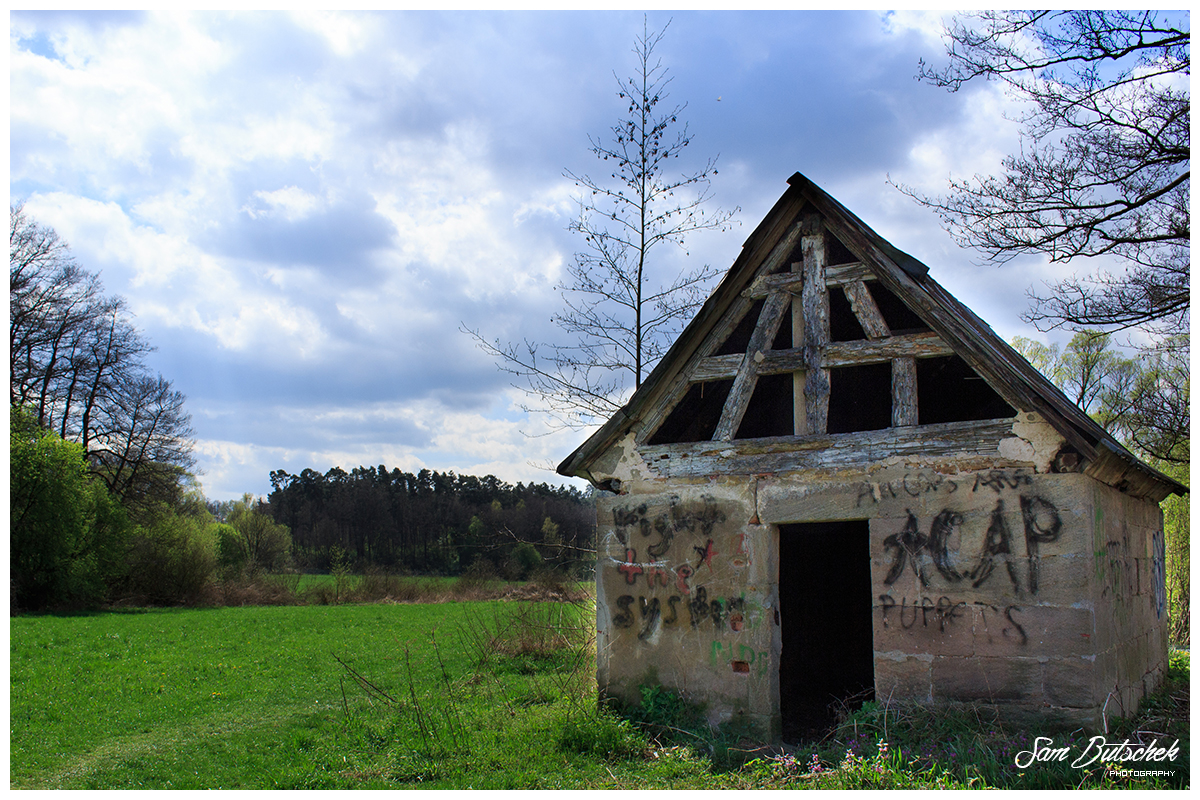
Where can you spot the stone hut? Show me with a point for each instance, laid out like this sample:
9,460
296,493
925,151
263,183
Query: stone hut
840,483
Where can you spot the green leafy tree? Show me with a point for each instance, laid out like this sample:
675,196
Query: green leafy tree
261,543
172,559
66,533
76,364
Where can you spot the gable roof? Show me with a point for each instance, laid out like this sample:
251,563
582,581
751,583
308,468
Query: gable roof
1005,370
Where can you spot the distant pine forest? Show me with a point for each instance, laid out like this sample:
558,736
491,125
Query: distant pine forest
432,523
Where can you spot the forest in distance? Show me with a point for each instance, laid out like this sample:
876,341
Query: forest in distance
430,522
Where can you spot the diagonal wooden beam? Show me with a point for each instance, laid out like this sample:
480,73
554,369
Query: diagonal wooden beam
747,375
864,308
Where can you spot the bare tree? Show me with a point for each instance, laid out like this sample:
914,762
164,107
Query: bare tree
1104,162
76,366
145,449
620,311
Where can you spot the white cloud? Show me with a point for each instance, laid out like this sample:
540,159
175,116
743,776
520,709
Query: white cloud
309,205
290,203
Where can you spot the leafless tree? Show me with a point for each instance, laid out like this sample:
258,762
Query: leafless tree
1104,166
76,366
620,311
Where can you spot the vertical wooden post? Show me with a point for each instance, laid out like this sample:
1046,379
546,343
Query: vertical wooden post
799,406
814,298
904,392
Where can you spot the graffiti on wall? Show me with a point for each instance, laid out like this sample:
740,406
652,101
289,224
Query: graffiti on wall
930,552
921,483
1159,564
721,612
944,614
741,658
684,603
915,549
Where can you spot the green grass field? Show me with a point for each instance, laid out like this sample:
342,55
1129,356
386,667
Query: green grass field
255,697
446,695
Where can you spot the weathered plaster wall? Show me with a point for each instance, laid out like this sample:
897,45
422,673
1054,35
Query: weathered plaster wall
981,582
1042,593
686,599
1129,572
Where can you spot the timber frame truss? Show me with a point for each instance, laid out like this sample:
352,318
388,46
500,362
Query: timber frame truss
803,292
784,271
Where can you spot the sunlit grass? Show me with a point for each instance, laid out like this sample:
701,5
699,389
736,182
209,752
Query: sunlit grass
497,695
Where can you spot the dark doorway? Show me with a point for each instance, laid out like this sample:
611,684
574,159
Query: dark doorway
825,624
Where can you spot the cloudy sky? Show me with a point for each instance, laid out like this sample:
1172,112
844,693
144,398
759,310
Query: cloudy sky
302,209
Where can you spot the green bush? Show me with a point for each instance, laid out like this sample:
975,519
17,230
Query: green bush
261,544
66,533
172,560
526,560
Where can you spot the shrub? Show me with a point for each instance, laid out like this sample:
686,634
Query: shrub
172,560
525,560
261,543
66,532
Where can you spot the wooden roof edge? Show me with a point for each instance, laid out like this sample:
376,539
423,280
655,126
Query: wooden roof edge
1118,467
912,266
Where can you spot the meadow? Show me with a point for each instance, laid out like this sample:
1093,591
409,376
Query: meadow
476,694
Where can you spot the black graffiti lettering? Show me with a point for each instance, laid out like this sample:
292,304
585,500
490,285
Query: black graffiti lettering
926,606
1042,524
906,545
624,617
717,611
903,608
665,532
651,613
626,517
698,607
997,543
705,553
677,518
998,480
886,603
1008,613
939,538
671,602
947,611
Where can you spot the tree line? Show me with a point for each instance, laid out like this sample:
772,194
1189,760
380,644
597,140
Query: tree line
432,522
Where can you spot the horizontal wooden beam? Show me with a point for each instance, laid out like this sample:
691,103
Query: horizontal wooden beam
971,441
837,275
836,354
